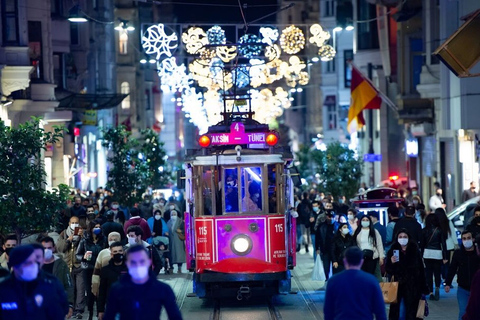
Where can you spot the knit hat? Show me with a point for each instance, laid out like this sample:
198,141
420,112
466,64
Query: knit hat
20,254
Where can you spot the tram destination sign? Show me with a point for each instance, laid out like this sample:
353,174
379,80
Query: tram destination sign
237,135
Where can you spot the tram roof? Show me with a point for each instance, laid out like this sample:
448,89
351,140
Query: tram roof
231,159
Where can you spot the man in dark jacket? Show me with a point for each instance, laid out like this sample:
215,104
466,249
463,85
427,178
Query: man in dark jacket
138,294
465,262
110,274
111,226
374,215
325,230
316,211
26,294
410,223
472,311
304,210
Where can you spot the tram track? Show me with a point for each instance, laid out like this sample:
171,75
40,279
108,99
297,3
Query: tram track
271,311
306,296
182,293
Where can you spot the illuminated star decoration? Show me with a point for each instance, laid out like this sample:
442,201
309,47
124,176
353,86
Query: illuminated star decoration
292,40
216,35
173,77
249,45
158,42
269,35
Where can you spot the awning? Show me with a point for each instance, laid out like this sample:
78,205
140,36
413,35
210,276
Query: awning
78,101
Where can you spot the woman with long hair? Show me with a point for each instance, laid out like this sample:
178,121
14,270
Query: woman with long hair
370,242
341,242
450,235
434,253
404,263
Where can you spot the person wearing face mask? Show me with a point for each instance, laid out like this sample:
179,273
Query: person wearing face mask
119,215
102,260
465,263
436,201
169,207
112,226
110,274
158,228
87,252
341,242
28,293
404,263
77,210
127,297
176,225
370,242
342,206
10,243
134,236
352,220
470,192
54,265
324,233
67,244
316,211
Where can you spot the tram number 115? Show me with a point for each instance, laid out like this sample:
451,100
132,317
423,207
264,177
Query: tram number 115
279,227
202,231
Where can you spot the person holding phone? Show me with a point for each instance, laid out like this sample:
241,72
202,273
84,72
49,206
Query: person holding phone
404,264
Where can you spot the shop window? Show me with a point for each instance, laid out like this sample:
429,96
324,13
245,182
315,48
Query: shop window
123,42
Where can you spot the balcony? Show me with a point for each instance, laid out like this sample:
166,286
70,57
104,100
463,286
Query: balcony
415,110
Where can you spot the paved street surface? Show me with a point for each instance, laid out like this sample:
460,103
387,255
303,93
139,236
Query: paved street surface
305,302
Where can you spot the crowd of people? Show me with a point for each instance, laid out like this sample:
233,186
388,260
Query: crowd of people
104,254
417,247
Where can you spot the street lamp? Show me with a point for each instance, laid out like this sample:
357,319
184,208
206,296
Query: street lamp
75,16
124,26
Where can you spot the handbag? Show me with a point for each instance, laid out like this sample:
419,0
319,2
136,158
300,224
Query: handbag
422,310
367,254
389,291
318,273
435,254
180,235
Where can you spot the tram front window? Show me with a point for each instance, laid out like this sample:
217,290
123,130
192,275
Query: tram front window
231,190
251,178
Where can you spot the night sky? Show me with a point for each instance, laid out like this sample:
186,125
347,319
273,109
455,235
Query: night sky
224,11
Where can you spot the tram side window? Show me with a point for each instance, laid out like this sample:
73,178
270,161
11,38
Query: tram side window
272,189
251,189
231,190
207,191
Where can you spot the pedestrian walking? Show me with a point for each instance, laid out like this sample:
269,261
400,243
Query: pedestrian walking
470,192
176,227
353,294
341,242
472,311
370,242
138,294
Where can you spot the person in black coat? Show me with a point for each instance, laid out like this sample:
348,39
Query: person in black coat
110,274
474,226
404,264
138,294
111,226
410,223
341,242
304,210
323,239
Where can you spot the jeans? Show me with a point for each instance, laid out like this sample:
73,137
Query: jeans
327,262
91,299
301,232
403,311
433,268
78,278
462,298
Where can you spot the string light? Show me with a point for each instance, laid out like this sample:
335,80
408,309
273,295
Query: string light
216,35
272,52
249,46
226,53
292,40
269,35
158,42
194,39
326,52
319,36
241,77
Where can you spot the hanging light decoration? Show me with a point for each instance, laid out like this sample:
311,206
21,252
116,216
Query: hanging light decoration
241,77
326,52
216,35
319,36
269,35
292,40
157,41
272,52
194,39
249,45
207,53
226,53
274,70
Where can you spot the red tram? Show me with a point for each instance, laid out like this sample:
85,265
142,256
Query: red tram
240,235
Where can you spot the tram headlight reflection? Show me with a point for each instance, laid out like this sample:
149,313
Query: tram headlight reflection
241,244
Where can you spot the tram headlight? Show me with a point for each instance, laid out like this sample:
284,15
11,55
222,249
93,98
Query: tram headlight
241,244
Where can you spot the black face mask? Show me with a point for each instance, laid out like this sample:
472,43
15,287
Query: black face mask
8,250
117,257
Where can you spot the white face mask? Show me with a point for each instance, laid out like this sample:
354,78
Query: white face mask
30,272
73,226
351,217
158,217
345,231
172,207
365,224
132,240
174,218
138,273
115,206
467,243
316,209
111,242
48,253
403,241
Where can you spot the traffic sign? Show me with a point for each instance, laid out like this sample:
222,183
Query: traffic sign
372,157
